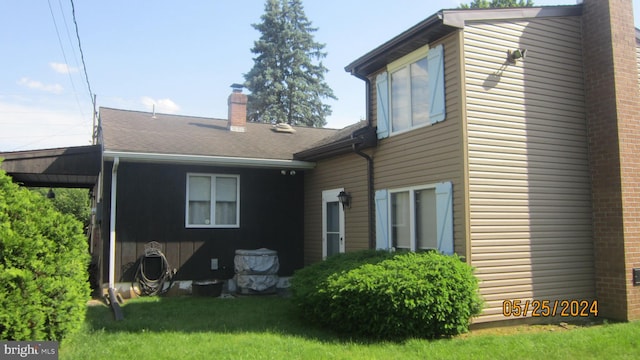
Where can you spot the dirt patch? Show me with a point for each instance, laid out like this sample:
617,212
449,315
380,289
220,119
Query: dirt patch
531,328
96,302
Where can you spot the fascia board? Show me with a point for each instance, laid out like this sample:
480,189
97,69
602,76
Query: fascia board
458,17
125,156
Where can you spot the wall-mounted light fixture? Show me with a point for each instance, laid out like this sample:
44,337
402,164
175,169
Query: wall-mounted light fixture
516,55
51,194
345,199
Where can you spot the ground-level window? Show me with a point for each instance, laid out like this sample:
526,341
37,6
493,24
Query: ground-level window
415,218
212,201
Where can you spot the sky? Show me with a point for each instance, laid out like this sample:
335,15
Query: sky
177,56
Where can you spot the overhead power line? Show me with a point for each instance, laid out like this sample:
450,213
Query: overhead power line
84,65
64,54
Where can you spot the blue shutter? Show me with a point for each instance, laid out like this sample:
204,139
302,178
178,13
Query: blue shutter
382,91
444,215
436,84
382,220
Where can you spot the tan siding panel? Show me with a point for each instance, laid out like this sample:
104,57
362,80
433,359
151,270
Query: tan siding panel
347,171
529,185
430,154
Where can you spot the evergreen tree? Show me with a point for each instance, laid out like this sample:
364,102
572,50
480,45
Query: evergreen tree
286,85
479,4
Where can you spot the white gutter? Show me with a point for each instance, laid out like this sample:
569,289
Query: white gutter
112,224
208,160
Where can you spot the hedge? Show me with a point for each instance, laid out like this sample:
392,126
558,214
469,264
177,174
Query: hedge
423,295
43,267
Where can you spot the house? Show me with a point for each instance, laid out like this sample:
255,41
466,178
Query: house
202,188
507,136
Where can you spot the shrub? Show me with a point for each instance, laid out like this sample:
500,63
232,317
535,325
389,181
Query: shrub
424,295
74,202
43,267
308,284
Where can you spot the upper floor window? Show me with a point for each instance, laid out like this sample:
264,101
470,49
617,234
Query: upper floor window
213,201
411,92
409,96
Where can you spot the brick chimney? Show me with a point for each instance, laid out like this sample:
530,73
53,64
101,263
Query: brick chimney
612,110
237,109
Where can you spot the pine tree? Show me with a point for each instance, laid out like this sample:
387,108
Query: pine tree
286,85
476,4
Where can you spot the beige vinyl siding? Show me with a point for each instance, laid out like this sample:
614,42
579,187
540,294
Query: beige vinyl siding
430,154
347,171
529,189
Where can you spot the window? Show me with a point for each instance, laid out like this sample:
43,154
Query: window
212,201
411,93
409,96
415,218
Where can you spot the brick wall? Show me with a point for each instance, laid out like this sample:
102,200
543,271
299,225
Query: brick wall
237,111
613,117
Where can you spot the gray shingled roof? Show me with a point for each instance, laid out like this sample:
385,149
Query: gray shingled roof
136,131
338,135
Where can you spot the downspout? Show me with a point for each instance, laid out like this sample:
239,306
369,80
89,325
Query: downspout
370,187
112,224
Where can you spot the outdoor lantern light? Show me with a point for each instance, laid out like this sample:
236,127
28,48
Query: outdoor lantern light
345,199
516,54
51,194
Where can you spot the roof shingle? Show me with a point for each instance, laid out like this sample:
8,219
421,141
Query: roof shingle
137,131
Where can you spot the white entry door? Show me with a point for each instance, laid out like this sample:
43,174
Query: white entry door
332,223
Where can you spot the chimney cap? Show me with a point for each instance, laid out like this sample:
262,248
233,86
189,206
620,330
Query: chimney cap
237,87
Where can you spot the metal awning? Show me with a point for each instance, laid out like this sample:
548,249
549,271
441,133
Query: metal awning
76,166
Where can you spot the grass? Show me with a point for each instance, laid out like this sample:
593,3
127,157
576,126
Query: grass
267,328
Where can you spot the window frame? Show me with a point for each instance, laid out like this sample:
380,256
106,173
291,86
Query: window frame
395,66
213,201
444,216
412,216
436,91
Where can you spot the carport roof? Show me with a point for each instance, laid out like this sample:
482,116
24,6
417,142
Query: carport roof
60,167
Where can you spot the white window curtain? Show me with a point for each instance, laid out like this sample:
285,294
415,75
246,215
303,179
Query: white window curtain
226,196
212,200
199,200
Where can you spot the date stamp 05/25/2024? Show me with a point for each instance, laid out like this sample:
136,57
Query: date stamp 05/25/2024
550,308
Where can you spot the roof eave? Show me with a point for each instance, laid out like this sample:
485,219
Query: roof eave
443,23
242,162
458,17
362,139
361,66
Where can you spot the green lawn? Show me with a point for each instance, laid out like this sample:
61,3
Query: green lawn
266,327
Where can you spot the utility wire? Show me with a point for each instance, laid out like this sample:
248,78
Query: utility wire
66,27
64,54
84,65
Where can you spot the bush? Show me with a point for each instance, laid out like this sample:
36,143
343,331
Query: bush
425,295
74,202
43,267
308,284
